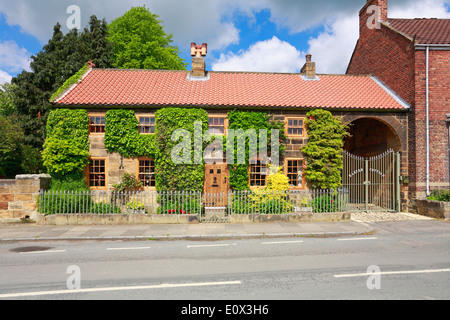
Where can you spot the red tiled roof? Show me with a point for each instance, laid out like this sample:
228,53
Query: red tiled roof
117,87
427,31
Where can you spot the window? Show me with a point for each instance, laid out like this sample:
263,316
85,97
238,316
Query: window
146,125
295,127
257,174
97,124
294,171
216,125
146,172
97,173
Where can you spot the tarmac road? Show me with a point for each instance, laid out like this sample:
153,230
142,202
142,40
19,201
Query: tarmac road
400,260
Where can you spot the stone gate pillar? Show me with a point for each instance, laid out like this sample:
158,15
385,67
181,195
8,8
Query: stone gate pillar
18,197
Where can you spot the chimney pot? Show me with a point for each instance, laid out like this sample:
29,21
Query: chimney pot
198,52
309,68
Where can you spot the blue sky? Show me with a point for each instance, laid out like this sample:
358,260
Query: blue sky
242,35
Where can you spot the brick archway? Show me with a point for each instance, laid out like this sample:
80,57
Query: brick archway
372,135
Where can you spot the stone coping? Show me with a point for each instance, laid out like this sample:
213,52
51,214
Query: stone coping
121,219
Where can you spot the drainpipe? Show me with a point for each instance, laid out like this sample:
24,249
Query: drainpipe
427,119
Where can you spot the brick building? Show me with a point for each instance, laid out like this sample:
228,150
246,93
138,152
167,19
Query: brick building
412,57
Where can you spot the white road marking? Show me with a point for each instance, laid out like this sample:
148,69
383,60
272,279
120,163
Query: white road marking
209,245
282,242
390,272
44,251
134,248
90,290
354,239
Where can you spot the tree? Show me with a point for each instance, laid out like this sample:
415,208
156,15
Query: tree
141,43
59,59
7,106
323,152
10,147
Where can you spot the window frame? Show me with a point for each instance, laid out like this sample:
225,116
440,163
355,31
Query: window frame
138,173
286,169
303,127
88,173
225,123
139,117
250,173
96,115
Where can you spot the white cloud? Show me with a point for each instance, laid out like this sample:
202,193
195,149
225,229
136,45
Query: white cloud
189,21
271,55
4,77
13,58
332,48
420,9
215,22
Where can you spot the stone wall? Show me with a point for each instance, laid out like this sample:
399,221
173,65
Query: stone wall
434,209
18,197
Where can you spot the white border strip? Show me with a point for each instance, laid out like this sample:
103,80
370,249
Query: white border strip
91,290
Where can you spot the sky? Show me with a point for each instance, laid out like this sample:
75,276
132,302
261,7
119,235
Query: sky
242,35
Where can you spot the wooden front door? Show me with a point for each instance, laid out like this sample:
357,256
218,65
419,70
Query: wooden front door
216,185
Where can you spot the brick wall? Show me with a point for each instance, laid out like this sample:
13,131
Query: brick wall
439,107
387,55
18,197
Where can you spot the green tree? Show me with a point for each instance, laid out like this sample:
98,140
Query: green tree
59,59
323,152
10,147
7,106
141,43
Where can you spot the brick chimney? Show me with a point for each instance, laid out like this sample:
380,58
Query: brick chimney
372,14
309,69
198,52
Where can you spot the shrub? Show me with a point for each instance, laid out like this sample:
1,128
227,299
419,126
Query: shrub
274,206
328,203
439,195
277,180
135,205
66,149
242,204
323,152
104,208
177,207
65,202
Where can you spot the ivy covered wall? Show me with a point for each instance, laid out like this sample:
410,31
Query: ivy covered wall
66,149
67,146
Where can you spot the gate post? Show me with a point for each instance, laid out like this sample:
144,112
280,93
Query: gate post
397,182
366,183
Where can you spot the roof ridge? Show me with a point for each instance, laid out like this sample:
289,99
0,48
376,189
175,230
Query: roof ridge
418,19
232,72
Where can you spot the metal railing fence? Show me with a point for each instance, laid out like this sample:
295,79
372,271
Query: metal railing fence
262,201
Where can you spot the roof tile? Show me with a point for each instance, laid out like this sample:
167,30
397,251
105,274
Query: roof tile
426,31
117,87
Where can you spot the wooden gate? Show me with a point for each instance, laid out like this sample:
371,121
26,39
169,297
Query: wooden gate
373,183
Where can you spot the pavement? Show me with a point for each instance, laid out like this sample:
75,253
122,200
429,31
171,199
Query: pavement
360,224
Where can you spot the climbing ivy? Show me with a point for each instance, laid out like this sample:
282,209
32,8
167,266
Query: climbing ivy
187,176
122,135
323,153
66,149
245,120
71,81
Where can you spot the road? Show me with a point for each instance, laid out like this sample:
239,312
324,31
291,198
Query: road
402,260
